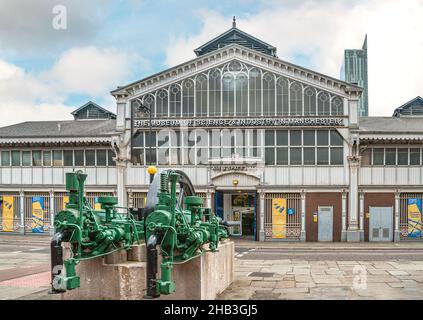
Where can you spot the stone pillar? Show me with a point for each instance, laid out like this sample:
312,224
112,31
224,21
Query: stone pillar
21,211
261,233
52,212
397,217
121,190
353,233
303,217
361,197
130,198
344,217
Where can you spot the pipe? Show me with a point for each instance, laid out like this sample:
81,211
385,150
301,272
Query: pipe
152,291
57,256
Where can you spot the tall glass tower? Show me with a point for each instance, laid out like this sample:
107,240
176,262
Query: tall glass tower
355,68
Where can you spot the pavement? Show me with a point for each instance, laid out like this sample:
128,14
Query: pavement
269,270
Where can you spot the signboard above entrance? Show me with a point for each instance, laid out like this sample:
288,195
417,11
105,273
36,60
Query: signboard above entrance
241,122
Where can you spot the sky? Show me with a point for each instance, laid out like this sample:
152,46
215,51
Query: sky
55,55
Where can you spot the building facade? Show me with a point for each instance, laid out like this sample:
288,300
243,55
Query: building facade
356,72
276,148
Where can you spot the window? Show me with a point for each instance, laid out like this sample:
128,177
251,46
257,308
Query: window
296,99
295,138
402,156
188,98
269,138
215,87
26,158
309,101
47,158
16,158
162,103
36,158
322,156
335,138
137,156
322,138
295,156
241,87
268,94
336,156
57,158
309,156
68,158
282,102
110,156
378,156
323,104
309,138
282,156
228,92
79,158
366,157
337,106
282,137
175,100
269,156
201,95
101,158
5,158
414,156
255,92
90,158
390,156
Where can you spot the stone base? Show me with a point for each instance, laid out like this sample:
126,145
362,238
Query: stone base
122,276
303,236
343,236
397,236
353,236
361,235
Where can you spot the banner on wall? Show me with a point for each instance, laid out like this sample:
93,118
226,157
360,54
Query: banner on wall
65,201
279,218
414,209
37,214
7,209
97,205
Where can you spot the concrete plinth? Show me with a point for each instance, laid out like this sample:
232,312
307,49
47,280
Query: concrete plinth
122,276
353,236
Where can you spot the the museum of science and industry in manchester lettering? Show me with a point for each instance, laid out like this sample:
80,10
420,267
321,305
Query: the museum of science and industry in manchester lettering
275,148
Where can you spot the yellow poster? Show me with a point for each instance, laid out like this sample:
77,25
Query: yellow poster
97,205
65,201
279,218
414,217
7,209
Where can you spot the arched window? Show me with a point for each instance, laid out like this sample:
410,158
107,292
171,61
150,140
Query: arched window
309,101
149,102
228,92
268,94
337,106
255,92
188,98
201,95
241,87
162,103
175,100
296,99
282,101
214,92
323,104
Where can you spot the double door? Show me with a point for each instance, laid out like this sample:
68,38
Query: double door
380,224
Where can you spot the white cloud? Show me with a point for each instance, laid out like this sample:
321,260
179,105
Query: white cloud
321,30
89,71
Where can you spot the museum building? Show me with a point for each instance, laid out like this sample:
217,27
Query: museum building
275,148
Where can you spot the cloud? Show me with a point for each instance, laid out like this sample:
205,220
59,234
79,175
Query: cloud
79,71
27,25
315,33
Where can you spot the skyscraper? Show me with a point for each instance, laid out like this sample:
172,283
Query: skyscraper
355,68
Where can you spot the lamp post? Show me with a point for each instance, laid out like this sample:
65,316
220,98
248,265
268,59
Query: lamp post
151,169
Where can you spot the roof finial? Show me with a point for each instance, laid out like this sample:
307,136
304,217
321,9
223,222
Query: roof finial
234,22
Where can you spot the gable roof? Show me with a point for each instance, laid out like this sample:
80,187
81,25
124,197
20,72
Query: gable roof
95,105
408,108
236,36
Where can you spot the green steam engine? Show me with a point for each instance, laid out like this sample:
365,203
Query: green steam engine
173,223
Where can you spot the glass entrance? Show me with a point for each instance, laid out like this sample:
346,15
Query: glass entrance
240,208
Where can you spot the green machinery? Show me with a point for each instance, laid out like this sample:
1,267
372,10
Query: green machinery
174,223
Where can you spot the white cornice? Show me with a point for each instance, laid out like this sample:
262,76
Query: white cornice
226,54
60,140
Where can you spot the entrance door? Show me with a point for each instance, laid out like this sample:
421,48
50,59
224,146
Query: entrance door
380,224
325,224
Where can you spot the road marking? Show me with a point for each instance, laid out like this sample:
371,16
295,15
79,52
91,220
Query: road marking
14,252
36,249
